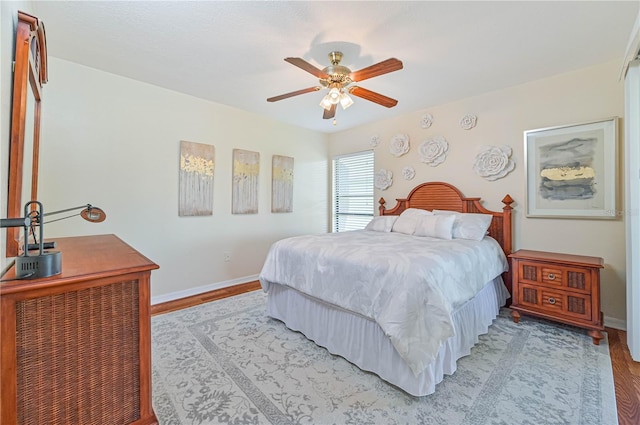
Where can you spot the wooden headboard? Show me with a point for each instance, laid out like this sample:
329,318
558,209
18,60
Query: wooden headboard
443,196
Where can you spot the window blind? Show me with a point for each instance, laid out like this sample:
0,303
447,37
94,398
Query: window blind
353,191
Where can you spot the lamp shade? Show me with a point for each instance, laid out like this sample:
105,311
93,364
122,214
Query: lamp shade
93,214
326,102
345,100
334,95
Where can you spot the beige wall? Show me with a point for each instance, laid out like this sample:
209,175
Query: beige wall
114,142
589,94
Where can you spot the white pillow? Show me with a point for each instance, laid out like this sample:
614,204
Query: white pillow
381,224
436,226
468,225
407,221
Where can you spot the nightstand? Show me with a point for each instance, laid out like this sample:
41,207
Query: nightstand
560,287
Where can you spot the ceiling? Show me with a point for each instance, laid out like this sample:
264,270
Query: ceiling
232,52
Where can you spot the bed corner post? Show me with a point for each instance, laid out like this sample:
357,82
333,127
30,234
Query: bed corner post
506,224
507,242
381,207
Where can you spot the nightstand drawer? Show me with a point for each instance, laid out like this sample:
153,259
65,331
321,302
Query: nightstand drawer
552,276
548,301
576,279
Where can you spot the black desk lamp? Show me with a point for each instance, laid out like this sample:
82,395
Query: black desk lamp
45,263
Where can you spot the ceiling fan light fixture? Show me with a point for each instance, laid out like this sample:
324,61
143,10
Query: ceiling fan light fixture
326,102
345,100
334,95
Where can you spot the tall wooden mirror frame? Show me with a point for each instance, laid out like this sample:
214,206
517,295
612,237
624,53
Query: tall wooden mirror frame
30,73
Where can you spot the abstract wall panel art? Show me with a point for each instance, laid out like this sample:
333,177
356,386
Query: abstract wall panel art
246,173
282,184
572,169
197,164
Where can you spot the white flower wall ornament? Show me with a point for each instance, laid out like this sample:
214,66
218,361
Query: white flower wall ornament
426,121
408,172
468,122
434,151
375,141
383,179
399,145
494,162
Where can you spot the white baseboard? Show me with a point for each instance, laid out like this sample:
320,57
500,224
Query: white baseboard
612,322
200,289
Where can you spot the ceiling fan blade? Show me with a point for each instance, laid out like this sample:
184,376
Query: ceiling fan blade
380,68
373,96
328,114
303,64
293,93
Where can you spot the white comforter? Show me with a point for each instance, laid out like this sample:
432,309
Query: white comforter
409,285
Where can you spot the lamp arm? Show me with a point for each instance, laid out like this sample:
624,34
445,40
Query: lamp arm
67,210
15,222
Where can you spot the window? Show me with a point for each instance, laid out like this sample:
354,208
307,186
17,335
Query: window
352,191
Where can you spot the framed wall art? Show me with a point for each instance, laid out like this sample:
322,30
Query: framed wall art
197,163
571,171
281,184
246,173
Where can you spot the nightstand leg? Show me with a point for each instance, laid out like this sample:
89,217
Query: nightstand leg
597,336
516,316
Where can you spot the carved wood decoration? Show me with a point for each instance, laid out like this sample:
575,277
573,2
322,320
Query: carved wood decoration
29,75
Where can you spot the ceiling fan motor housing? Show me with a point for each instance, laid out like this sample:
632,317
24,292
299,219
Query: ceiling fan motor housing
338,74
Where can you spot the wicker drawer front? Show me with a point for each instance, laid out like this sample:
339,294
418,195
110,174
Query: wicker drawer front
552,275
553,302
78,357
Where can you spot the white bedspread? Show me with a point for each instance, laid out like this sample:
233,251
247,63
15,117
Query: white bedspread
409,285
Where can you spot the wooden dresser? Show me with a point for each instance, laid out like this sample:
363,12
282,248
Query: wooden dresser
560,287
76,347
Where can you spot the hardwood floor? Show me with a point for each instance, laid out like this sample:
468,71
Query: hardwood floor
626,372
626,376
204,298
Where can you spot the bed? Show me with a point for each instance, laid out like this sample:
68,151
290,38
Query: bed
402,306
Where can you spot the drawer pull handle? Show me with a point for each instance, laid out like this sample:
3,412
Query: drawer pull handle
552,300
551,276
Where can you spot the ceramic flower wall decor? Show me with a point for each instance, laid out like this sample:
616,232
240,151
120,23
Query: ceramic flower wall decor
434,151
399,145
494,162
468,122
375,141
408,172
426,121
383,179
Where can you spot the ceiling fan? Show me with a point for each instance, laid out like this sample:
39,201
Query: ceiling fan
341,82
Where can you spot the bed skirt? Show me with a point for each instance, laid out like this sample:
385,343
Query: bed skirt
362,342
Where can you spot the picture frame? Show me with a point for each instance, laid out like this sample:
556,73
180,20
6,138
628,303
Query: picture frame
571,170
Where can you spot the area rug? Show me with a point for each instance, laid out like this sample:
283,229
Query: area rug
226,362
